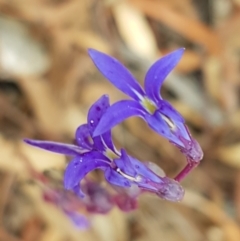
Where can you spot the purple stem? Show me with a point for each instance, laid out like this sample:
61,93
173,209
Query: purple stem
186,170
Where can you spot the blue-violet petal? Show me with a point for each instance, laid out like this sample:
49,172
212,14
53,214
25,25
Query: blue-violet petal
57,147
96,112
117,113
159,71
80,166
117,74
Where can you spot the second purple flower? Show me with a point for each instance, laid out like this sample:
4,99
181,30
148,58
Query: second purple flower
98,152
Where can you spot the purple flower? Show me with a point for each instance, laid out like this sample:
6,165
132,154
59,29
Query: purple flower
148,104
98,152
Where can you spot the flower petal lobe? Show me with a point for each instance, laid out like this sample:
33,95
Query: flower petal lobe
117,113
57,147
159,71
116,73
80,166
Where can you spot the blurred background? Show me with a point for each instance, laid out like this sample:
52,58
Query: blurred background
48,82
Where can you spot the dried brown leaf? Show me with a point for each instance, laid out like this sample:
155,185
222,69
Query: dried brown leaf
229,155
191,29
138,35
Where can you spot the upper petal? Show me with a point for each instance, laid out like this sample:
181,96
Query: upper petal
96,111
116,73
159,71
117,113
57,147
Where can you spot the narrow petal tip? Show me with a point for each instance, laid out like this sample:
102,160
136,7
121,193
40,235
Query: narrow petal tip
177,53
116,73
158,72
91,52
181,49
28,141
